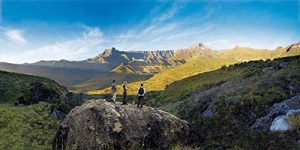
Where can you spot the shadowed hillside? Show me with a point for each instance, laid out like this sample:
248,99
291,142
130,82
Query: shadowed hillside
14,86
31,109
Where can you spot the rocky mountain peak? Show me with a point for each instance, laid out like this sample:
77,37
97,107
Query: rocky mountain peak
199,45
194,51
109,52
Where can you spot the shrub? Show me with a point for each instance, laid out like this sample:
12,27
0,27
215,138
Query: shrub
250,99
252,72
275,94
64,107
295,121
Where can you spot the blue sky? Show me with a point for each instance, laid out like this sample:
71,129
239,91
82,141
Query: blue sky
75,30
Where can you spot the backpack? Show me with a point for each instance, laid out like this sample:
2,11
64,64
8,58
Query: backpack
141,91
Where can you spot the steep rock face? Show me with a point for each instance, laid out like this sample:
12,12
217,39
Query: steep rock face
98,124
111,55
159,57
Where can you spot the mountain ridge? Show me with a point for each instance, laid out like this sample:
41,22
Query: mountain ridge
73,73
206,63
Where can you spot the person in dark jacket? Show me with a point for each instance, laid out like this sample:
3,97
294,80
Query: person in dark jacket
125,88
141,94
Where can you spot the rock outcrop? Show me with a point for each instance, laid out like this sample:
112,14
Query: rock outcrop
276,118
98,124
282,123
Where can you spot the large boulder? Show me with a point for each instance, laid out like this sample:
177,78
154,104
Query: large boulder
99,124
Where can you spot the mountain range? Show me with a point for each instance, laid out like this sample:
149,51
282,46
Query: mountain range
97,72
199,59
227,99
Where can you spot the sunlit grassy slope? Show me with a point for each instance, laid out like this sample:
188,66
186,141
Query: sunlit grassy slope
105,80
160,80
129,73
186,87
246,54
124,69
28,127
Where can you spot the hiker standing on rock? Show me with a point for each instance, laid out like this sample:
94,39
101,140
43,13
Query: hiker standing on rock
114,91
125,88
141,94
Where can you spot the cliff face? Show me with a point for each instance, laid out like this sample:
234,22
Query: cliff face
115,56
198,50
159,57
98,124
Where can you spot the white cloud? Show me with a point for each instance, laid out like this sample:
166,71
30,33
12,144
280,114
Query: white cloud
155,29
77,48
16,36
176,6
207,14
191,32
72,49
169,14
160,31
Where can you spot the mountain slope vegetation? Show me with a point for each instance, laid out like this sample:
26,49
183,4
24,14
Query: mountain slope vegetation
103,81
31,109
14,86
124,69
223,104
245,53
28,127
